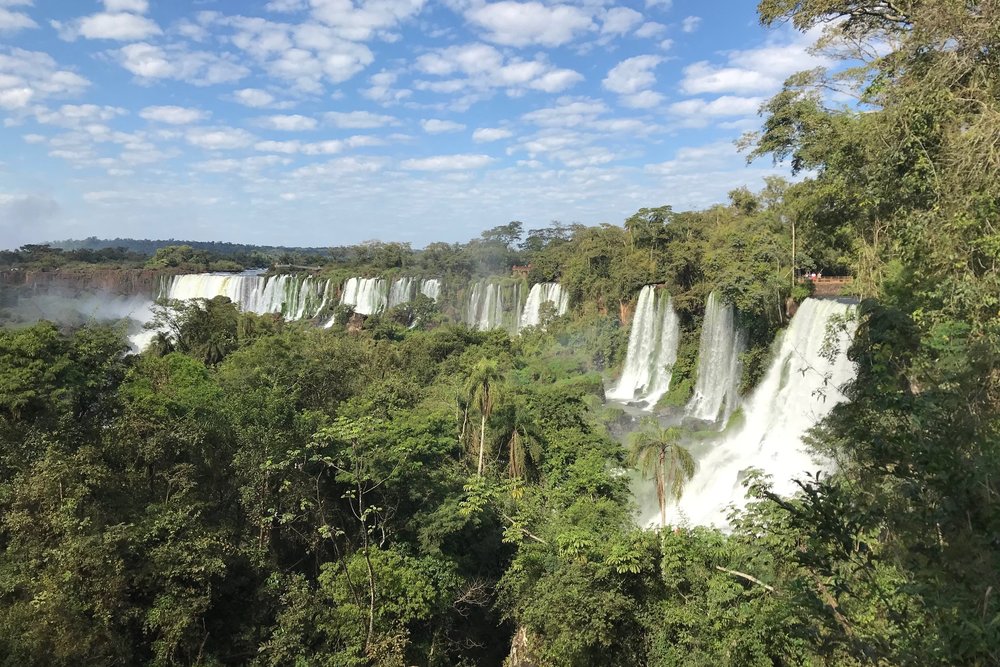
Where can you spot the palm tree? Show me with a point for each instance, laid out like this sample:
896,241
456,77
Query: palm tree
480,391
523,440
658,451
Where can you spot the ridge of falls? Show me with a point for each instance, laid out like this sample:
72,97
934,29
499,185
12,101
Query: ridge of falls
369,296
503,305
716,389
493,305
539,294
652,349
293,297
801,387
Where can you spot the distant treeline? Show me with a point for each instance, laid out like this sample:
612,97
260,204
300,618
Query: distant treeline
148,246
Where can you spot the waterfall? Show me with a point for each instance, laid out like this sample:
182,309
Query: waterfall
366,295
293,297
716,391
493,305
401,291
652,349
431,288
799,389
543,293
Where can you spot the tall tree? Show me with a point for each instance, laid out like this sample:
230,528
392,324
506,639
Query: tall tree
480,390
657,451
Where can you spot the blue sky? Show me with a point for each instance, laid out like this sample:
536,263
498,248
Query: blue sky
328,122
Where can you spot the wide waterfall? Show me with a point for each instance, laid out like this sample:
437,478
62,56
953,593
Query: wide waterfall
543,293
801,386
431,287
652,349
293,297
716,391
494,305
366,295
373,295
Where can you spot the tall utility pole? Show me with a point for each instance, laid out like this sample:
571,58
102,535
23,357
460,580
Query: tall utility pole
785,220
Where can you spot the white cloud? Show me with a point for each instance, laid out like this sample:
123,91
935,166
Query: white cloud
137,6
662,4
253,97
28,77
485,134
632,75
727,105
650,29
526,23
358,120
753,71
173,115
75,115
381,88
646,99
288,123
437,126
360,21
691,23
480,67
199,68
15,97
11,21
282,6
122,27
460,162
620,20
219,138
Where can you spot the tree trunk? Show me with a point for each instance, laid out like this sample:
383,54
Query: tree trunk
661,492
482,443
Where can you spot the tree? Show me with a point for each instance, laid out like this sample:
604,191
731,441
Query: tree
657,450
480,391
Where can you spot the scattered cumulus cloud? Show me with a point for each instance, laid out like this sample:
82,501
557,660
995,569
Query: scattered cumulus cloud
487,134
691,23
200,68
173,115
219,138
12,21
632,79
529,23
254,97
119,26
28,77
437,126
620,21
358,120
288,123
461,162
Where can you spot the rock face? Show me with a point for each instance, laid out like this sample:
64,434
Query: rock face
520,651
115,281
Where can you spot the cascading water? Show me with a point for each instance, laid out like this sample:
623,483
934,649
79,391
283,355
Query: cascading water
431,288
799,389
293,297
652,349
366,295
401,291
716,391
543,293
493,305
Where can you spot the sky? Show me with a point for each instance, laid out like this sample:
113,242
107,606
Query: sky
333,122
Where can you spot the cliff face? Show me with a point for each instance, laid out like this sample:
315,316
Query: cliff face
125,282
